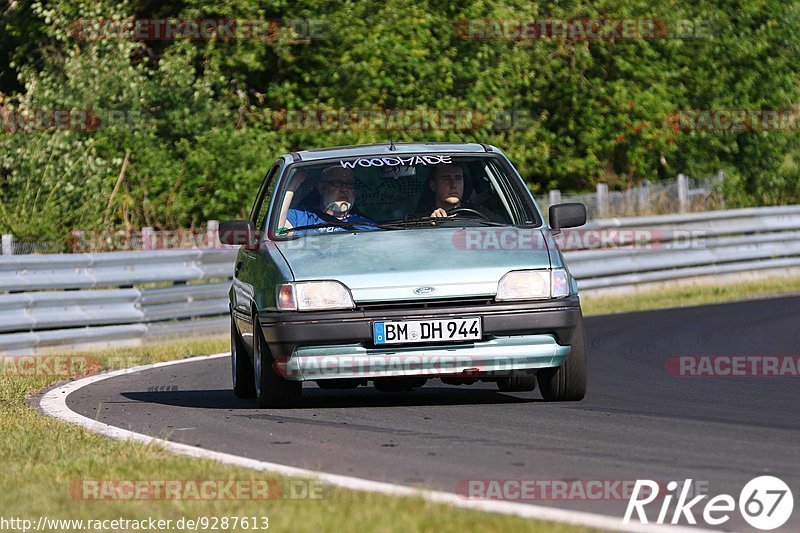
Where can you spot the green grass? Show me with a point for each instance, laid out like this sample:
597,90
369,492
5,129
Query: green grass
42,457
688,295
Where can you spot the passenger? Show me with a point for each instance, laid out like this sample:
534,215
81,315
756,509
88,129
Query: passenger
337,195
447,184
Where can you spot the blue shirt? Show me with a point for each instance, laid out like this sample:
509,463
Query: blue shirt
301,217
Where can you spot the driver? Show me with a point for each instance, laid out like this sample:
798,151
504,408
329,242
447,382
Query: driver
447,183
337,194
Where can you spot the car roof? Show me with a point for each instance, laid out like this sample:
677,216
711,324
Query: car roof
387,148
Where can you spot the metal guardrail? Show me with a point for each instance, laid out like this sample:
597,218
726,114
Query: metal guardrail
112,269
692,245
77,299
36,311
72,300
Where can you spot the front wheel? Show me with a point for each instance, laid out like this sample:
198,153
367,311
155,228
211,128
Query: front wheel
272,391
567,383
241,366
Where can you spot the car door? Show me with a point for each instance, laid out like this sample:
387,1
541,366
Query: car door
248,260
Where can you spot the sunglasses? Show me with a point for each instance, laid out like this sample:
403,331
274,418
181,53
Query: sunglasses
340,184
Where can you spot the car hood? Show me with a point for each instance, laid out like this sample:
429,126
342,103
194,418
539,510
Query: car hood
416,264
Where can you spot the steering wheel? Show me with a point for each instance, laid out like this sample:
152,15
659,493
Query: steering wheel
457,210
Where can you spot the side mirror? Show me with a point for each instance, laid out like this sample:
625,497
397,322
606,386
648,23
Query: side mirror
567,216
237,232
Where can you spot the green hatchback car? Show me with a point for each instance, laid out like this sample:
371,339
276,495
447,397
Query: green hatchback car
392,264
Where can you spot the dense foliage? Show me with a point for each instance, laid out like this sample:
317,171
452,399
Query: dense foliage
188,127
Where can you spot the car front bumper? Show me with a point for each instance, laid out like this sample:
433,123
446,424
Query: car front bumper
334,345
496,357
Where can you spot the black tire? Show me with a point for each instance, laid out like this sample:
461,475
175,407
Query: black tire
244,385
567,383
272,391
517,383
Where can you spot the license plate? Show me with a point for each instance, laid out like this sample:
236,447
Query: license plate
455,329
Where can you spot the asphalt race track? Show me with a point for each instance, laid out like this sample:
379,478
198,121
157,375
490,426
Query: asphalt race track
638,420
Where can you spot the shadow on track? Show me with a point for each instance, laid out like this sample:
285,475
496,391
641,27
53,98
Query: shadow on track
315,398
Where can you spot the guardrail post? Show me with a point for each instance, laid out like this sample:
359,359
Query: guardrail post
554,197
602,200
644,196
683,193
212,235
148,238
8,244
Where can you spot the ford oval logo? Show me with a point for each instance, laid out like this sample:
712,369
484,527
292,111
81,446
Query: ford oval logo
424,290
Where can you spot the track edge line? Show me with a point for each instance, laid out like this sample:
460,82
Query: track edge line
53,403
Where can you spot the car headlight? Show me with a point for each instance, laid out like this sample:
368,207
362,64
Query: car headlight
533,285
314,296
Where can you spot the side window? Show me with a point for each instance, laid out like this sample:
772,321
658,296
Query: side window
261,207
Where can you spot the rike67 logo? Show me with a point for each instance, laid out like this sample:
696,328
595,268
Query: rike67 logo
765,503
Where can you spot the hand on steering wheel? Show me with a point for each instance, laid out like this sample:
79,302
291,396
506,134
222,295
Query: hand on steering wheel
457,210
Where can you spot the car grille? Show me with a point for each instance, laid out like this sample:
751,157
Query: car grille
424,304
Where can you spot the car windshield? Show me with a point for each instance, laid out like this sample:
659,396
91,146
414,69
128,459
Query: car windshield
375,193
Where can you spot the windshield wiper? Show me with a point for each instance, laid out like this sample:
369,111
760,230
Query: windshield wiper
391,225
340,224
475,219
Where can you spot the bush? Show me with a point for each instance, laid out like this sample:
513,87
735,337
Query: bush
199,126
